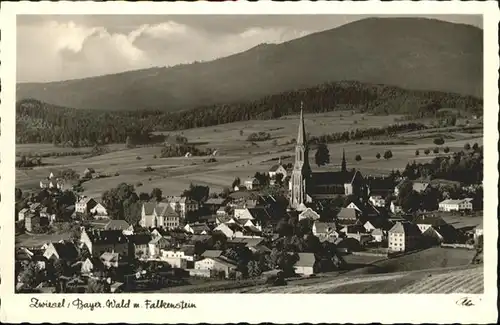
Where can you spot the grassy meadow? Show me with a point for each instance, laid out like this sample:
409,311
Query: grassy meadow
235,156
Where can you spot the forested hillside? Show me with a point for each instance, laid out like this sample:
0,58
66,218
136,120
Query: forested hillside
40,122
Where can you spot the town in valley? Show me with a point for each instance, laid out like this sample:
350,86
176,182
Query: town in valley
337,187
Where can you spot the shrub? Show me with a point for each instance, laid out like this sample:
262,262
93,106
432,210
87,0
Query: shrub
435,150
439,141
427,151
446,149
138,184
417,152
378,155
358,158
467,146
138,158
260,136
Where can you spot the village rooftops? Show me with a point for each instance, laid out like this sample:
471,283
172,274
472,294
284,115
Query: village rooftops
107,236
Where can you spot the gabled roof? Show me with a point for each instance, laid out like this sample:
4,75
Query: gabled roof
449,201
107,236
66,251
310,214
216,201
429,220
212,253
149,208
347,213
306,259
275,167
406,228
187,250
332,178
140,239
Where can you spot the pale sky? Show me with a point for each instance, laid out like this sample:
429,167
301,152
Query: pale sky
51,48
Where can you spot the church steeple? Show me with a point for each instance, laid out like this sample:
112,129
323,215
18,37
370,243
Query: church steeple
301,136
301,169
344,164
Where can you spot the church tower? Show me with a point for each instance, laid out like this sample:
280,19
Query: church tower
301,169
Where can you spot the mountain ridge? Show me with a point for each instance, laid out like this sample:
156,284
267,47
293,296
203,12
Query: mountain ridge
412,53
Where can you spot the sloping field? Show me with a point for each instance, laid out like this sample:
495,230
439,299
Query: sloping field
436,281
466,281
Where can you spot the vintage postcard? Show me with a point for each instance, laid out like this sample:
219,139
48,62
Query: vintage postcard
249,162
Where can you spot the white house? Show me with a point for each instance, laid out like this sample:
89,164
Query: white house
325,231
99,210
252,183
456,205
306,264
403,236
275,170
85,205
377,201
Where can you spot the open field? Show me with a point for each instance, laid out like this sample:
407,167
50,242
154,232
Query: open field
467,280
27,240
235,157
435,257
410,272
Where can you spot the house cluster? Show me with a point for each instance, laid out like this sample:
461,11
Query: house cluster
52,182
35,216
247,218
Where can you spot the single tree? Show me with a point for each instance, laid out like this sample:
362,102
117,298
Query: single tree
446,149
378,155
435,150
156,194
427,151
475,146
439,141
467,146
322,156
388,154
236,182
417,152
358,158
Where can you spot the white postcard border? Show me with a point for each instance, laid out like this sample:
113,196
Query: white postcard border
221,308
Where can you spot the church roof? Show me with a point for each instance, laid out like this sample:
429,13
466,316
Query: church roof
332,178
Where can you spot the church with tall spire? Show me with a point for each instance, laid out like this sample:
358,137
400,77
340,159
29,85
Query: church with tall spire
301,173
306,185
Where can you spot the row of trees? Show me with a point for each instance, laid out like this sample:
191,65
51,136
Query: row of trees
463,167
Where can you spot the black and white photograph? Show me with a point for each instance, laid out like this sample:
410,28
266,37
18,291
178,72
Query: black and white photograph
250,153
